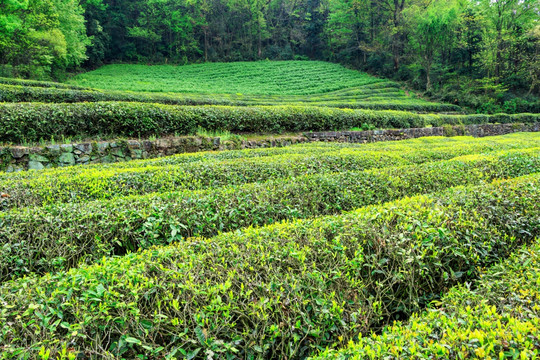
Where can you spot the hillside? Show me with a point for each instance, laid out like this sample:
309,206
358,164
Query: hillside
250,78
259,83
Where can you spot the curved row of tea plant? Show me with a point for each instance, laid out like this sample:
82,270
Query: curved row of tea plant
37,121
102,184
39,84
60,236
252,78
80,184
435,144
283,290
370,100
498,318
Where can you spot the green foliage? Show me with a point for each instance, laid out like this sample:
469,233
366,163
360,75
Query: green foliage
430,28
379,97
478,54
39,84
35,121
247,78
42,38
497,317
283,290
104,182
46,235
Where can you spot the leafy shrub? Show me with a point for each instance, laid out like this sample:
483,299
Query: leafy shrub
47,235
498,317
449,130
39,84
390,101
81,183
35,121
96,184
284,290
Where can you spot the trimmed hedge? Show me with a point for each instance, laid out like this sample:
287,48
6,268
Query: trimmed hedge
58,237
103,184
81,184
21,94
499,317
37,121
391,104
515,140
39,84
279,291
54,94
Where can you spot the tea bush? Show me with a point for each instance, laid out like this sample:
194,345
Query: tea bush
283,290
430,145
81,183
18,93
59,236
497,317
34,121
39,84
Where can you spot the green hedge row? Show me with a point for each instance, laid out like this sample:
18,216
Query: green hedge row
440,119
36,121
82,184
103,184
59,236
34,84
54,94
21,94
281,291
498,318
389,104
515,140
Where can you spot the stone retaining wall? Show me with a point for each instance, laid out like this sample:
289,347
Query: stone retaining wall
19,158
403,134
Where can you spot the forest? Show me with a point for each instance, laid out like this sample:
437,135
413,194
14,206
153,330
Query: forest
483,54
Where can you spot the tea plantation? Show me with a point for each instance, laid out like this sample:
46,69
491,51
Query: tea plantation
312,250
243,97
416,249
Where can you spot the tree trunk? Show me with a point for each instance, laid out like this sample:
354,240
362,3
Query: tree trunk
428,77
206,44
259,51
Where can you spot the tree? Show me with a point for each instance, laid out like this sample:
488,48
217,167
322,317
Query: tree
432,30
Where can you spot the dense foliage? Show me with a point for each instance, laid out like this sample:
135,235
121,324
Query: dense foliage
252,253
498,317
382,95
477,53
39,38
180,214
37,121
283,290
248,78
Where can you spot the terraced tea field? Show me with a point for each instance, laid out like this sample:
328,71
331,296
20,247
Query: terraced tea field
312,250
248,78
263,83
277,253
266,97
313,83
